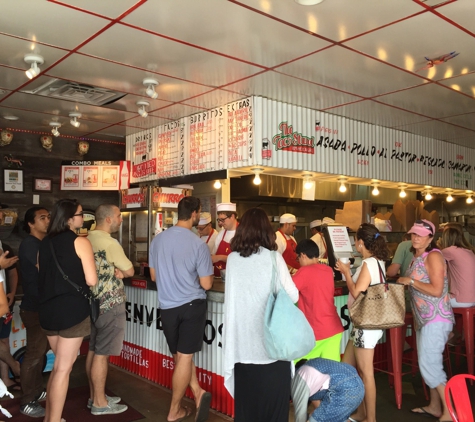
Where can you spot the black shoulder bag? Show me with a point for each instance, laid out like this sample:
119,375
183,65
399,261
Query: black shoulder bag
94,303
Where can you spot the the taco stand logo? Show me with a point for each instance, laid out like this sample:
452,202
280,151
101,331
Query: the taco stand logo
288,140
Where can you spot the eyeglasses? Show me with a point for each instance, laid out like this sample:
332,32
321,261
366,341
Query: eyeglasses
425,225
79,214
202,227
222,220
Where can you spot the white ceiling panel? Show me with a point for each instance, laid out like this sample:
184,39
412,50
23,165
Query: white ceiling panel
464,120
292,90
407,43
340,68
465,84
272,43
431,100
439,130
355,59
101,73
166,57
46,22
111,9
337,19
376,113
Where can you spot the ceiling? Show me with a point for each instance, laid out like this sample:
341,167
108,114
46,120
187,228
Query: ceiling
357,59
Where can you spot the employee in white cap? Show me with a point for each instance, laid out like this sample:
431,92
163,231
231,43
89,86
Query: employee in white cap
206,231
227,216
317,237
286,243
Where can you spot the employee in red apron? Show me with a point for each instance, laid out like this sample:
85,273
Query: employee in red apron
206,231
286,243
227,217
317,237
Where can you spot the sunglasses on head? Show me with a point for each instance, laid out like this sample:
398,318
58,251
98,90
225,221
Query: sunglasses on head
425,225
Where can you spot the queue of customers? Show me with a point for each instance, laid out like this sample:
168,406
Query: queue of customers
56,315
183,266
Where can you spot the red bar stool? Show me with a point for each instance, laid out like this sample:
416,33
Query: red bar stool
464,323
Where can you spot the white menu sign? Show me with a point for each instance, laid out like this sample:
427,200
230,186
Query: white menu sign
142,156
170,147
207,140
240,133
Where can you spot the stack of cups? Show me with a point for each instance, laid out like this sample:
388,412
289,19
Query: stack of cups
344,261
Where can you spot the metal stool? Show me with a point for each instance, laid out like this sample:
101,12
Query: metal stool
464,323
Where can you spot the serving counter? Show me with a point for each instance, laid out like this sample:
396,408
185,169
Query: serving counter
145,350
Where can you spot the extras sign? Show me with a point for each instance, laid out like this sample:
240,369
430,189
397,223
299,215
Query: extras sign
288,140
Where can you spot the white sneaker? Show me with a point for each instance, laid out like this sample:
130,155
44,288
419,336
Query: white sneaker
110,400
110,409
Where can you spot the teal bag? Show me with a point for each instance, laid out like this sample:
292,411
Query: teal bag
287,333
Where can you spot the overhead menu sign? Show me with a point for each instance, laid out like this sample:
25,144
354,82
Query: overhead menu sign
143,156
207,140
170,148
240,133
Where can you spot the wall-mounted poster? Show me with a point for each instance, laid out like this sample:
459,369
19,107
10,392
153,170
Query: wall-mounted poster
110,177
90,176
12,180
70,177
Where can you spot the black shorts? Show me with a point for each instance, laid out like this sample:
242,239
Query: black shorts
184,326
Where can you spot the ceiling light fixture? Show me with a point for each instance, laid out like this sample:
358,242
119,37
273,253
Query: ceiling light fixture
151,83
449,198
257,171
56,126
11,117
74,119
308,182
469,196
403,193
217,184
342,181
142,105
308,2
375,190
34,60
428,193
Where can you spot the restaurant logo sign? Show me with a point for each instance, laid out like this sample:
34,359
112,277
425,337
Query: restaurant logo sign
288,140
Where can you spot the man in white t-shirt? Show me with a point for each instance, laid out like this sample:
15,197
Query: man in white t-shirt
286,243
206,232
227,216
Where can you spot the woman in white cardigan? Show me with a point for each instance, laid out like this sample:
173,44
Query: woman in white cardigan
260,385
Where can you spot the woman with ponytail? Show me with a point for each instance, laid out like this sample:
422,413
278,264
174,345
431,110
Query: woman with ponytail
359,351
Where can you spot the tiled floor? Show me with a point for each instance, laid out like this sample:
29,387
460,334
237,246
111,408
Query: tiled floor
153,401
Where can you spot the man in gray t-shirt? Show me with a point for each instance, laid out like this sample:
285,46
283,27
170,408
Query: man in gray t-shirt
181,265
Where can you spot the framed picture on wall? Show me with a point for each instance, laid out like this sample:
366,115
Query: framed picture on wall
12,180
42,184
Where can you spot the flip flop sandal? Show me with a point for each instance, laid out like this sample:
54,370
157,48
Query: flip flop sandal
202,410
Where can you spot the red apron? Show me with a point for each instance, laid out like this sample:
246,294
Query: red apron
224,248
289,255
209,236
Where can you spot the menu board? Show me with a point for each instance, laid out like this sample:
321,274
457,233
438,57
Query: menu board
207,141
240,133
170,149
90,175
143,156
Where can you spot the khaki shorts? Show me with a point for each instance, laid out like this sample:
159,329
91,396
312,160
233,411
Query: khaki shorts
79,330
107,333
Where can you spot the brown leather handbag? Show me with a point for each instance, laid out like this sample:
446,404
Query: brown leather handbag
381,306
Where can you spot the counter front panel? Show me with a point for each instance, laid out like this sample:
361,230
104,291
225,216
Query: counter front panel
145,351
